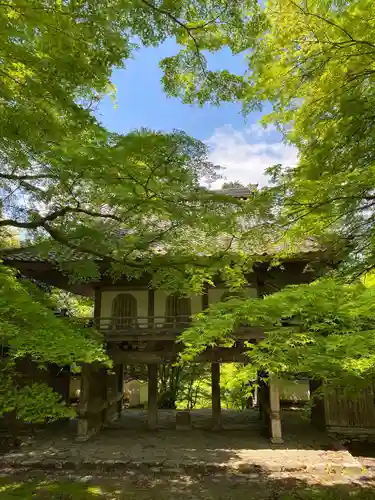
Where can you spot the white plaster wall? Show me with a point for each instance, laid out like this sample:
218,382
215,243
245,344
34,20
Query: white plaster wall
160,300
294,390
196,304
132,392
75,387
214,295
136,392
143,392
141,297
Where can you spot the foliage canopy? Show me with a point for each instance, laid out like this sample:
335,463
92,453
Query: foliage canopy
323,330
130,200
64,176
314,63
30,330
66,180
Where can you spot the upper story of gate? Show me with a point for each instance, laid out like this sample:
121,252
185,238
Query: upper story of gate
134,311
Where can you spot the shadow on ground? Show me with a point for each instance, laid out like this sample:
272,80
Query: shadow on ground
242,449
28,485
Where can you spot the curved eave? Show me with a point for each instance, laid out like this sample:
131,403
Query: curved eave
46,272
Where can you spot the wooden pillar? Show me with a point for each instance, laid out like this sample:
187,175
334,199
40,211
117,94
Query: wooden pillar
97,307
151,308
84,399
92,399
205,297
318,419
120,388
152,396
275,421
92,402
112,395
263,395
215,387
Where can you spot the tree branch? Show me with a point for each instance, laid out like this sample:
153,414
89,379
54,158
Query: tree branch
41,221
61,238
26,177
183,25
331,23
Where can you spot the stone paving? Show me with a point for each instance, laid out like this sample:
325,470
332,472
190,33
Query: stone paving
239,448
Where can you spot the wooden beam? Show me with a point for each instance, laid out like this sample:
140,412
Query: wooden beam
205,297
224,355
98,305
218,355
152,405
120,387
158,334
47,273
216,404
151,307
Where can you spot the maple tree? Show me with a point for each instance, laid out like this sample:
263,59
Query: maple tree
136,201
323,330
30,329
314,64
72,186
63,175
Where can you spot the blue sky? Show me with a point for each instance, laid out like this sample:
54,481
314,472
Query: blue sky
242,147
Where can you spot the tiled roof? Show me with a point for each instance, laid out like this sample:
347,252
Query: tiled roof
38,253
59,253
238,192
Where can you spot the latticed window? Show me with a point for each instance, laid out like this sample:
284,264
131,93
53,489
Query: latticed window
178,309
124,311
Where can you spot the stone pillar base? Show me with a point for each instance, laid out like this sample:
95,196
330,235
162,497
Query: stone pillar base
276,440
183,421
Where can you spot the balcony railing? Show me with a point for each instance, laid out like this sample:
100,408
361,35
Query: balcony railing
124,327
160,327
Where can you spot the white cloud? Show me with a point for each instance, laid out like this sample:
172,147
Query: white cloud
246,154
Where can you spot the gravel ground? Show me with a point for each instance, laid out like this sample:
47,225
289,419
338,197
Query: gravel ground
39,485
239,447
128,462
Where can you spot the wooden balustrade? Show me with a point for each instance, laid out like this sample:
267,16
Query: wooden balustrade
118,329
